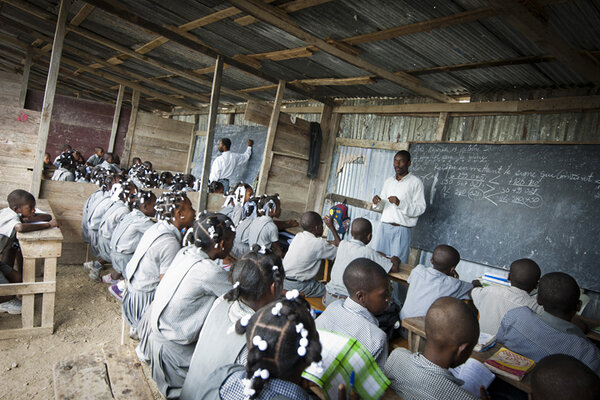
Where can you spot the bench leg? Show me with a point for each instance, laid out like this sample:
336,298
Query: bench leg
48,298
27,310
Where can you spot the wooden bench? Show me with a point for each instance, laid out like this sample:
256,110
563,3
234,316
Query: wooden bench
112,373
45,245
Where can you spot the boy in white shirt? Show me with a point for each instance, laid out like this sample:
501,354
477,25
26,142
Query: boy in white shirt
303,259
349,250
493,302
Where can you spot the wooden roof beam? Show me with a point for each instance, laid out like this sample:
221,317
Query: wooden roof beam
268,14
535,29
290,7
122,12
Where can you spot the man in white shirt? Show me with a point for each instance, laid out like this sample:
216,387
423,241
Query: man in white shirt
402,201
223,166
493,302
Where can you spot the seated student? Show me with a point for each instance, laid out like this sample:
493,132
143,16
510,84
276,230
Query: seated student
19,216
82,173
452,331
65,167
97,157
429,284
110,184
493,302
234,203
78,158
148,166
216,187
258,280
115,213
127,235
240,244
559,377
307,250
135,162
97,177
263,231
49,168
166,180
183,299
109,163
154,254
369,288
349,250
282,342
537,336
65,148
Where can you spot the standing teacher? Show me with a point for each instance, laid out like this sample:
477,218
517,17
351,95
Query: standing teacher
225,165
402,201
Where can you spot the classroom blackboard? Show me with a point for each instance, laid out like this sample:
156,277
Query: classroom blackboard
239,136
499,203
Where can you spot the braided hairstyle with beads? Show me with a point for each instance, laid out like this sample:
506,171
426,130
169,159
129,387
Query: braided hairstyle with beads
209,229
282,341
253,274
141,197
267,203
67,161
108,179
167,203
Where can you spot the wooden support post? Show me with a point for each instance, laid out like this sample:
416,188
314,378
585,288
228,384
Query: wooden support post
57,46
318,187
25,80
442,127
210,133
192,148
115,124
135,102
263,176
48,298
27,302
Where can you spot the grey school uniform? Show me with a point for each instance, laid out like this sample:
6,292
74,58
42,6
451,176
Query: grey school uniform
95,160
126,237
110,166
211,354
152,258
94,220
182,301
263,231
350,318
113,215
63,174
8,219
240,243
88,209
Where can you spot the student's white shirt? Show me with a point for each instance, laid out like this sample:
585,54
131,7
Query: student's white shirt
110,166
94,160
8,219
410,193
63,174
226,163
426,285
348,251
493,302
129,232
304,256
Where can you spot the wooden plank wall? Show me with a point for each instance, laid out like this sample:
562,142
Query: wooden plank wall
67,200
18,138
291,147
164,142
10,88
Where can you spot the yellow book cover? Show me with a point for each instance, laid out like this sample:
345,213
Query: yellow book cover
510,364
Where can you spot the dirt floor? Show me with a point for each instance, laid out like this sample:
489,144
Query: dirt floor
86,316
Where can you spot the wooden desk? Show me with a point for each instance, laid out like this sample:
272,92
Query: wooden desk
402,275
416,341
45,244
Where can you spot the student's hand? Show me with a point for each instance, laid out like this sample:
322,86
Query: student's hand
328,221
394,200
483,394
376,199
476,283
395,260
250,142
292,223
53,223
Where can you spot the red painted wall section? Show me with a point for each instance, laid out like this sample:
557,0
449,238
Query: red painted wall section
83,124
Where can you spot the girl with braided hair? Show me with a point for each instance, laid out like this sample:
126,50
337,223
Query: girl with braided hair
120,207
257,279
263,231
282,342
155,252
65,167
183,299
249,214
97,178
93,219
127,234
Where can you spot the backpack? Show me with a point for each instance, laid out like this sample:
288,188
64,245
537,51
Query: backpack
339,215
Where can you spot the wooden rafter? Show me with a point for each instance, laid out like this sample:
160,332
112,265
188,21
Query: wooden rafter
530,24
269,14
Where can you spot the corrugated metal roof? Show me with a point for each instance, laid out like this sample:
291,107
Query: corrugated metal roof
492,38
